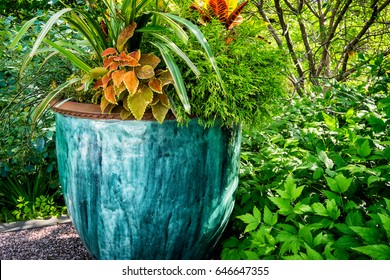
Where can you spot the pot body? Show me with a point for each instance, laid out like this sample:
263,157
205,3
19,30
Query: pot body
144,190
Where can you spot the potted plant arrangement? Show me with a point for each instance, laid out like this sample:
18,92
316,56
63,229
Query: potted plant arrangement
149,158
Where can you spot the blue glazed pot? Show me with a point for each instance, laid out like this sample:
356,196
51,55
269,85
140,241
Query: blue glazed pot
142,190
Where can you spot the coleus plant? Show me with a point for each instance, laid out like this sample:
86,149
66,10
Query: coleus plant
228,12
120,25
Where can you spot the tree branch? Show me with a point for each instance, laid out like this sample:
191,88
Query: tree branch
260,8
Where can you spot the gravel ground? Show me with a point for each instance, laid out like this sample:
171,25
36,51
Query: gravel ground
58,242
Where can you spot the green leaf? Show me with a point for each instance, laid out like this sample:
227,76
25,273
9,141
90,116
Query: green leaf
354,218
332,184
251,255
369,235
349,113
318,173
270,219
301,208
320,209
284,205
333,210
324,158
385,219
256,213
312,254
346,242
342,182
377,252
364,150
331,122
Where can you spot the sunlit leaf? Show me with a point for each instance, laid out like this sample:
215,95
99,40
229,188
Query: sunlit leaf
131,82
139,101
117,77
109,93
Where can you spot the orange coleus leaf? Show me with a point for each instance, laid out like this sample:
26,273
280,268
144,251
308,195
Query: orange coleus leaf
125,35
108,61
98,83
106,79
136,55
235,18
109,51
131,82
109,94
144,72
117,77
155,84
149,59
114,66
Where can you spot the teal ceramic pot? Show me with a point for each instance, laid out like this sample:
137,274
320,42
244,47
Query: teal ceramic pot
144,190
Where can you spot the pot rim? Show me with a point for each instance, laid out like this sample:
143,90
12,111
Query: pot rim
92,111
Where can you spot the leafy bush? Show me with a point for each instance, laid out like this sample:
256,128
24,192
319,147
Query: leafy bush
315,182
28,167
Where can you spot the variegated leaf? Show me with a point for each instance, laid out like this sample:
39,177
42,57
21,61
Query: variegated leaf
140,101
144,72
234,17
220,10
117,77
109,51
131,82
125,35
149,59
159,112
155,84
109,94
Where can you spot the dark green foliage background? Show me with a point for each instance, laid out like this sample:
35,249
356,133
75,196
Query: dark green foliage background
315,181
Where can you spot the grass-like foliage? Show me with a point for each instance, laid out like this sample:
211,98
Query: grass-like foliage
315,182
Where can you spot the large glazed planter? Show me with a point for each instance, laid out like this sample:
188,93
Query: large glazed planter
144,190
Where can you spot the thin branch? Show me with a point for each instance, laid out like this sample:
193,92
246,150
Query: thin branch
260,9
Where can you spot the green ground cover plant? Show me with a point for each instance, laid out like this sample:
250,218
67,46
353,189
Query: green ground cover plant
315,181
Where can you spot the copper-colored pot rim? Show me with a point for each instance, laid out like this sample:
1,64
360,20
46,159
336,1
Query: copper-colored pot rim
92,111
